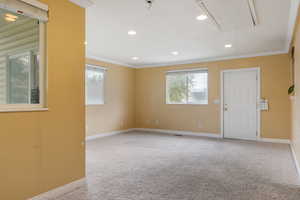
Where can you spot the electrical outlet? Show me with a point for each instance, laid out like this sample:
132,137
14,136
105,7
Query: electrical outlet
156,122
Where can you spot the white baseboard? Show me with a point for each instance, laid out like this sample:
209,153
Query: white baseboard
175,132
211,135
272,140
101,135
297,164
55,193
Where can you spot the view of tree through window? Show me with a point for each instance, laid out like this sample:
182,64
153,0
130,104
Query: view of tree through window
187,87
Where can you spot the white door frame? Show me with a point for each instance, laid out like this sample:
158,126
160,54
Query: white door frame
257,69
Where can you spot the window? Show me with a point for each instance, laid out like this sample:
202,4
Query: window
22,79
187,87
94,85
22,56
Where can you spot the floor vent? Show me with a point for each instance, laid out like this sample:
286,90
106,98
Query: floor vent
178,135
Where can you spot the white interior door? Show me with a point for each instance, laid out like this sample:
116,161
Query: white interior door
240,97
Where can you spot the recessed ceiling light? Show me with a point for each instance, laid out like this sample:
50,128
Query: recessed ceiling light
10,17
135,58
228,45
175,53
131,32
202,17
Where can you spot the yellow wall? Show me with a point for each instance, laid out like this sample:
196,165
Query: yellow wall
150,98
295,102
42,150
118,112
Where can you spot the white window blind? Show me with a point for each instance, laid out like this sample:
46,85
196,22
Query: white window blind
94,86
35,10
22,62
187,87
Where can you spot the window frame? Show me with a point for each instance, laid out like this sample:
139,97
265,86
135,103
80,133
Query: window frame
104,84
187,71
43,81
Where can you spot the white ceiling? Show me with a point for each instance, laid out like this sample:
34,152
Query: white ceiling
171,25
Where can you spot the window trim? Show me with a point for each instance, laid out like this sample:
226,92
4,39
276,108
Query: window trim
104,83
43,80
186,71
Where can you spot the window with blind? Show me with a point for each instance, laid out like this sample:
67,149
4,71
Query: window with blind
187,87
22,56
94,85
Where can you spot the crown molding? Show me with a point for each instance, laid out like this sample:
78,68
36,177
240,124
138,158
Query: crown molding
292,22
37,4
109,61
83,3
195,61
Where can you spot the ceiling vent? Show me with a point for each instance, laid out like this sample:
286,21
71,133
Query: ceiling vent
205,10
252,9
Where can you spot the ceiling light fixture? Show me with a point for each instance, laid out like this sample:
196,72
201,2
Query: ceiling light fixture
228,45
202,17
135,58
10,17
131,32
175,53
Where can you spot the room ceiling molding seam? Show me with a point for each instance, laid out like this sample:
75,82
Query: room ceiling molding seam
215,59
83,3
195,61
292,22
37,4
109,61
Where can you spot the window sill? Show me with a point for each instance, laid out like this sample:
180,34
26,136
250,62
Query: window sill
7,110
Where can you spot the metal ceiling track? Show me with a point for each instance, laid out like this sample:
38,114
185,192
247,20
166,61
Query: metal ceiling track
205,10
252,9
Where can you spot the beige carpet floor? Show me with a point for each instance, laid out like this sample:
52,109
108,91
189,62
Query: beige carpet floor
144,166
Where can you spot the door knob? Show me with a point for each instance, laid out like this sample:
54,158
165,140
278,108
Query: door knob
225,107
